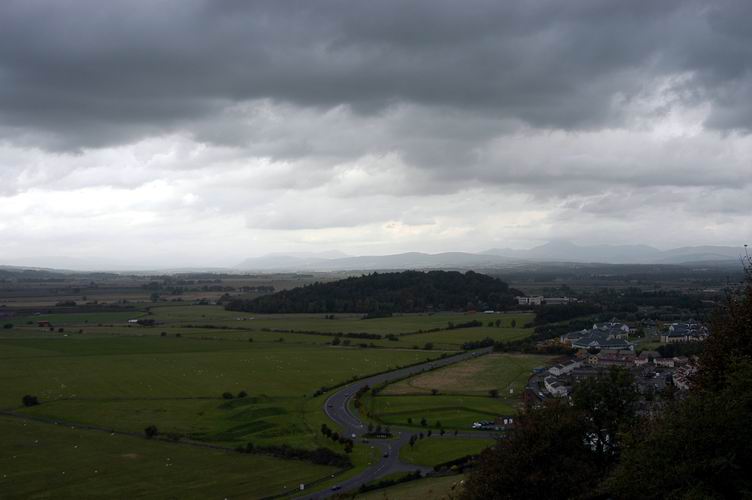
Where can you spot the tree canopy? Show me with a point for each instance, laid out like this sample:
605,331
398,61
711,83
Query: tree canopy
408,291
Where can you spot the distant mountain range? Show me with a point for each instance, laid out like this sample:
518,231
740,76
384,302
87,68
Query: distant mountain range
331,261
555,251
565,251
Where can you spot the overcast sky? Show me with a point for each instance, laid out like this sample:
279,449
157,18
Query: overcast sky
194,132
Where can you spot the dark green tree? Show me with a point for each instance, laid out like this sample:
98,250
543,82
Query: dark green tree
545,456
29,400
608,404
700,446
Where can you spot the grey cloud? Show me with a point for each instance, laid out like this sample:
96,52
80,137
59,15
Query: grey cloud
87,74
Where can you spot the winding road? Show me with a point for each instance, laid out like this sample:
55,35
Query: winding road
337,408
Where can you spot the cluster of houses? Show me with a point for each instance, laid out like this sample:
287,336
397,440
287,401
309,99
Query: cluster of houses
607,344
613,335
647,367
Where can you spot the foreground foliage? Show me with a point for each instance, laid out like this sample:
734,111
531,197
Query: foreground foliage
597,447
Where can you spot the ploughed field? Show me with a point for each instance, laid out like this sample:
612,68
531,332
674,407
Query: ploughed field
184,376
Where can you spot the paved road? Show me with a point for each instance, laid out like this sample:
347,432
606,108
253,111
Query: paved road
336,408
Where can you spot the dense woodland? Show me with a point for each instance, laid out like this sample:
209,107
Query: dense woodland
602,447
408,291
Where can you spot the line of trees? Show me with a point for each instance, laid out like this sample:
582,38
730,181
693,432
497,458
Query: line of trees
319,456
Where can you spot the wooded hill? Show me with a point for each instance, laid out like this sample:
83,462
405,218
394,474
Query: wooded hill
381,293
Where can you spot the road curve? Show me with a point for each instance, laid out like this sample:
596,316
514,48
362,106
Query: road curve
336,408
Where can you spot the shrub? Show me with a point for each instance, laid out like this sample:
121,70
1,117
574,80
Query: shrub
29,400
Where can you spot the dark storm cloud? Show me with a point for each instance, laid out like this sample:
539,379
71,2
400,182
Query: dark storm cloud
90,73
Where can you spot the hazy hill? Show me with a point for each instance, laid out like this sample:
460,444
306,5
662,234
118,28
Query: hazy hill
570,252
565,251
555,251
408,291
409,260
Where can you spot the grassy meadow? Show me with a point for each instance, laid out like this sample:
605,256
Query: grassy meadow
454,411
128,383
434,488
462,392
52,461
438,450
503,372
100,371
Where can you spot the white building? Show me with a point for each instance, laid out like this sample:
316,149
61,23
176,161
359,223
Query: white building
563,369
555,387
533,300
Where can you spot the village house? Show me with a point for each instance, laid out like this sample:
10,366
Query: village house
621,358
683,375
555,387
684,332
640,361
666,362
563,369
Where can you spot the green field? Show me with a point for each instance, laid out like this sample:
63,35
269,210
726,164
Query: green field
127,383
437,450
343,323
102,372
475,377
462,392
453,339
452,411
82,319
434,488
213,322
48,461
